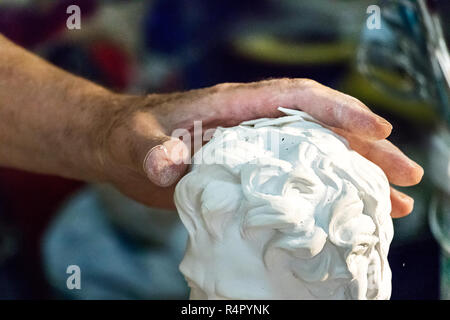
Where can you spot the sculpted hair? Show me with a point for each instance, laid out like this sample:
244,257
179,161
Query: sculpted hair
279,198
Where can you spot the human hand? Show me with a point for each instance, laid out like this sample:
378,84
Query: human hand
139,157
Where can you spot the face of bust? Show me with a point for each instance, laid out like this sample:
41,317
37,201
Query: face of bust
233,267
238,272
299,225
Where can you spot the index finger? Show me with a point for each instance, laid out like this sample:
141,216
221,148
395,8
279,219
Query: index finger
330,106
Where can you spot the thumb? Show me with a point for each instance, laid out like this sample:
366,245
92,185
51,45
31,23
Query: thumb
166,162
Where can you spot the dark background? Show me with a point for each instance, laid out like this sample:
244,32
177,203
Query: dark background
167,45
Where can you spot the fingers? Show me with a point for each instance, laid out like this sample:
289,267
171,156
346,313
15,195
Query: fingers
402,204
229,104
345,112
166,162
331,107
399,169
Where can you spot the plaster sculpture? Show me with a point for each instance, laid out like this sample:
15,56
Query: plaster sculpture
283,209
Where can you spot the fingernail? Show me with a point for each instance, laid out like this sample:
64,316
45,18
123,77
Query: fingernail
405,197
159,168
383,122
418,171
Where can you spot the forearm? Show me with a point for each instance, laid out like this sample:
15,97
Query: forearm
50,121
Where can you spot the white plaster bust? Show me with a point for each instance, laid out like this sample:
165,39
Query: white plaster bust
283,209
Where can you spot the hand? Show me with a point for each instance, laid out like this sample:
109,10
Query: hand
145,124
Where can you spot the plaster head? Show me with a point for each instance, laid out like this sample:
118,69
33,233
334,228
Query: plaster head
284,209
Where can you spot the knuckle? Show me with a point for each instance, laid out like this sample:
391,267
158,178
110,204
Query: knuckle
307,82
292,83
224,86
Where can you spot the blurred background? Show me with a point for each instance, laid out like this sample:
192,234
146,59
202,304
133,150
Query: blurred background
126,251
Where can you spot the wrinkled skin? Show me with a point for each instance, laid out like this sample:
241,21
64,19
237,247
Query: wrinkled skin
56,123
230,104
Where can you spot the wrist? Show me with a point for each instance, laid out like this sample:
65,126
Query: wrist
84,155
